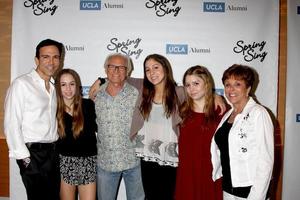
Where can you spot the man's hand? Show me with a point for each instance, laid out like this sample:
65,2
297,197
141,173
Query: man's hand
26,161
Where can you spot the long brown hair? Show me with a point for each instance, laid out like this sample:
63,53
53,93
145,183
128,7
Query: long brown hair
170,99
188,106
78,121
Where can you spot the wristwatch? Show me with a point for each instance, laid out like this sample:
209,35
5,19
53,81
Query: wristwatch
102,80
26,161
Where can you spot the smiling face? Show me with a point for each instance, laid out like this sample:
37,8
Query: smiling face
236,92
116,70
68,88
48,61
154,72
195,87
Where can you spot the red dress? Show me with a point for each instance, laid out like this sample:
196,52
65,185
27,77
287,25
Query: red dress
194,173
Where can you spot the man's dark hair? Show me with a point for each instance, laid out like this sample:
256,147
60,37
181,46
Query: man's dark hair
48,42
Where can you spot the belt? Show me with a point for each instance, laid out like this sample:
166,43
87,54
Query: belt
38,145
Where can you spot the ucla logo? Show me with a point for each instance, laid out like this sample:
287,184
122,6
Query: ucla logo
85,91
90,5
214,7
177,49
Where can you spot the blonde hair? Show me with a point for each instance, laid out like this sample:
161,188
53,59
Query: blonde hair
188,106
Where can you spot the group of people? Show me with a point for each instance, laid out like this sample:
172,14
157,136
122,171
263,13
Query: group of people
166,141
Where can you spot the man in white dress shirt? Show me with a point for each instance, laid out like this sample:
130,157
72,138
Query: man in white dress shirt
30,123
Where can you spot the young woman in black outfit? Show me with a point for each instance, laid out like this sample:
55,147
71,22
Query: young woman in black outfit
77,139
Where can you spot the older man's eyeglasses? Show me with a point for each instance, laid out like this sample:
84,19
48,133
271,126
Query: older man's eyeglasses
116,67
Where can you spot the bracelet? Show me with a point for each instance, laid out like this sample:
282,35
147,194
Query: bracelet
102,80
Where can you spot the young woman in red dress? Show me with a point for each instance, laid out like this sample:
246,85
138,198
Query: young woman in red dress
200,119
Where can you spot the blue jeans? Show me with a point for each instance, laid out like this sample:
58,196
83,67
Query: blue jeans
108,184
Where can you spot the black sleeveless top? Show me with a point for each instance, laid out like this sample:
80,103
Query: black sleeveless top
221,139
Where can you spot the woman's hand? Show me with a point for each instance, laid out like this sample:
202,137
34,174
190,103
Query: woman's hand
221,103
94,89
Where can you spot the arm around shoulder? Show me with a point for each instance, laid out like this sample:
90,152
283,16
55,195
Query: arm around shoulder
136,82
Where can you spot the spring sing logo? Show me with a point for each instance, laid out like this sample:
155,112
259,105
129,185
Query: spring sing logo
130,47
40,7
251,51
164,7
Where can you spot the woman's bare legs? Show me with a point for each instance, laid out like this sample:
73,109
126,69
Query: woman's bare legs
67,191
87,192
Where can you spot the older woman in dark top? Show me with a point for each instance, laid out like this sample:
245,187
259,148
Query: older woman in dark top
243,146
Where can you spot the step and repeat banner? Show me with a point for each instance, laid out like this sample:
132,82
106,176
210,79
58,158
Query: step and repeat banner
291,181
212,33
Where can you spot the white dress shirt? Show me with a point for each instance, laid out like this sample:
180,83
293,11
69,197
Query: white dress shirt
29,114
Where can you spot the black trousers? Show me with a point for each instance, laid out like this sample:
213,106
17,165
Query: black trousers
41,177
158,181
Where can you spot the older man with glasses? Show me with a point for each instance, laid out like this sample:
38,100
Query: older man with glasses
115,103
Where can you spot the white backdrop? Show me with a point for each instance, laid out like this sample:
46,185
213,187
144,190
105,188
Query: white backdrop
215,33
291,181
